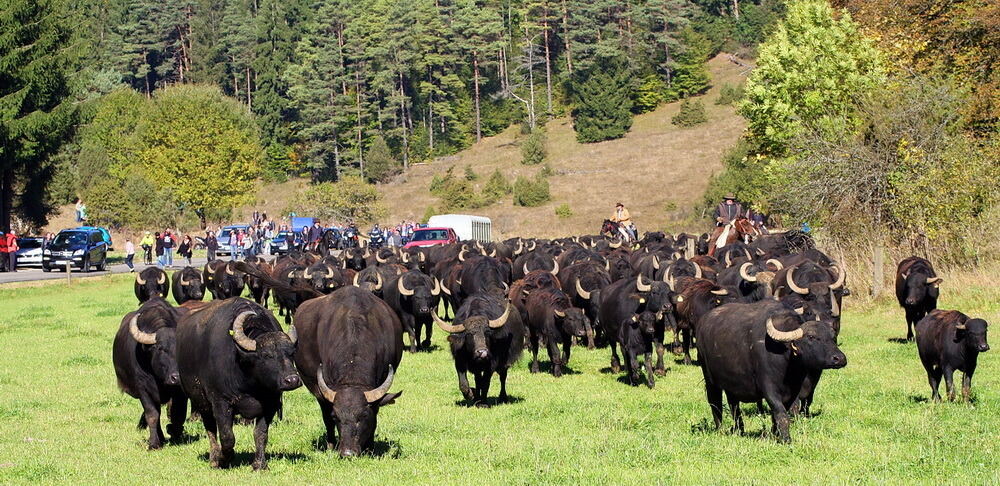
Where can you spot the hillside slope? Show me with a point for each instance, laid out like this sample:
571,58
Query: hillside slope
656,168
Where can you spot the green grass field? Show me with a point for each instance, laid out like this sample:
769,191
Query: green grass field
63,420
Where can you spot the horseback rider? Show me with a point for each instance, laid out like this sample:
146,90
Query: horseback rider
728,210
624,220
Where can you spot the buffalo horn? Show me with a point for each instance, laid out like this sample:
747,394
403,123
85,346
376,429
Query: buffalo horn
935,281
239,336
555,267
745,274
356,275
183,282
834,307
841,276
161,278
378,283
140,337
614,245
790,281
328,394
461,255
307,274
437,287
559,313
375,395
445,289
229,270
422,257
379,258
639,285
782,336
697,270
402,288
776,263
406,257
656,262
449,328
525,268
329,272
293,335
960,326
720,292
729,261
582,293
139,280
500,321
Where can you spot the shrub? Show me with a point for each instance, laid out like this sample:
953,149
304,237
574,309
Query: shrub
546,171
496,187
729,94
470,175
692,113
428,213
649,94
380,163
533,148
438,181
563,211
531,192
602,102
349,198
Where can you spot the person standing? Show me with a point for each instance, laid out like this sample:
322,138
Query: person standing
12,251
3,252
168,248
248,242
186,250
129,254
79,210
158,249
211,244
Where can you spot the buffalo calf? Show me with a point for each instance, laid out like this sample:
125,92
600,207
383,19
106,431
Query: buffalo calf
948,341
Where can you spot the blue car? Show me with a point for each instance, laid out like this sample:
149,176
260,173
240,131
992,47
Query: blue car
84,248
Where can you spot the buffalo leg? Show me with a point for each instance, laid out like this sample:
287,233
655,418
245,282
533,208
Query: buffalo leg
533,342
779,416
326,409
463,382
227,441
502,374
714,394
567,344
949,383
631,366
554,356
178,409
650,380
734,408
590,335
687,346
483,387
425,322
913,316
260,440
151,412
676,345
616,365
967,382
211,428
660,369
934,379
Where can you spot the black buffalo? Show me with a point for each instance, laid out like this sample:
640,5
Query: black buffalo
144,355
624,299
761,351
949,341
208,276
151,282
229,280
414,296
187,285
234,359
552,316
584,283
916,290
350,346
486,338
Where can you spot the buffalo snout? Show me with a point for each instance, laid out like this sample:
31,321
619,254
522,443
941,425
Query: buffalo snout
984,347
291,382
348,452
838,360
174,378
482,354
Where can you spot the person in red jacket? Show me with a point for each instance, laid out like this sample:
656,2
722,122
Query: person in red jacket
12,251
3,252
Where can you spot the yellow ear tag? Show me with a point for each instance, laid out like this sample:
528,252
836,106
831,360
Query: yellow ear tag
231,333
680,298
635,318
642,301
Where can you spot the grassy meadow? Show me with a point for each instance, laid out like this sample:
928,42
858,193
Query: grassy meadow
63,420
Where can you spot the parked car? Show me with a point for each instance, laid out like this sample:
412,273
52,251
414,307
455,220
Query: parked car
432,236
83,247
225,234
104,234
278,244
30,252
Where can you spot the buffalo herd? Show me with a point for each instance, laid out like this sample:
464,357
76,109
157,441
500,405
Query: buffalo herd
763,317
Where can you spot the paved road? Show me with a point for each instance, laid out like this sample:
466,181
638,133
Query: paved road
30,274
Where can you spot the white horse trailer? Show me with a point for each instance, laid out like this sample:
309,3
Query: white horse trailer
466,227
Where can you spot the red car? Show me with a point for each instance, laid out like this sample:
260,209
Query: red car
431,237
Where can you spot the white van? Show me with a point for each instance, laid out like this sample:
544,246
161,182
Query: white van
466,227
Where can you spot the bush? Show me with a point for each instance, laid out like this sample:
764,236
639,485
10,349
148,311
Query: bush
349,198
563,211
602,102
531,192
438,181
533,148
380,164
428,213
546,171
649,94
692,113
729,94
496,187
470,175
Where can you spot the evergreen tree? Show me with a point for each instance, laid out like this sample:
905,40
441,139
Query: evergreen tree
603,105
381,164
36,113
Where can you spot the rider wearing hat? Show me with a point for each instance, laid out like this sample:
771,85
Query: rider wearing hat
624,220
728,210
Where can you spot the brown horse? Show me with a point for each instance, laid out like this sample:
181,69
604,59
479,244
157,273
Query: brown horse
740,230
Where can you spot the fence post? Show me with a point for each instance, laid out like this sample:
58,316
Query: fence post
877,267
689,251
69,273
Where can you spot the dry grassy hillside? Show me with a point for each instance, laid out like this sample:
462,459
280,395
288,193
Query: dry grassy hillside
656,166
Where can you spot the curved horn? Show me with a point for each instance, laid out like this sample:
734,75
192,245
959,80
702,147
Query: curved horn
328,394
422,257
161,278
449,328
500,321
239,336
437,287
656,262
743,272
615,245
697,269
229,270
841,276
533,246
640,287
293,334
461,255
493,254
445,289
671,284
520,247
406,257
402,287
183,282
782,336
375,395
729,261
306,273
139,280
356,275
582,293
790,281
555,267
720,292
747,253
935,281
834,306
378,282
329,272
525,268
776,263
607,265
559,313
379,258
140,337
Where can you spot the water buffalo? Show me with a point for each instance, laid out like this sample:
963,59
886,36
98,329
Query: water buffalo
208,276
151,282
552,316
234,359
350,345
486,338
916,290
229,280
761,351
145,362
584,284
695,300
188,285
949,341
626,298
414,296
259,290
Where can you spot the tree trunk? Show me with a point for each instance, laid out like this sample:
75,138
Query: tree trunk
357,85
475,82
566,39
736,9
548,67
249,93
531,81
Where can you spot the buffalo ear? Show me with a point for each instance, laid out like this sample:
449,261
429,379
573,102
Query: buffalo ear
389,398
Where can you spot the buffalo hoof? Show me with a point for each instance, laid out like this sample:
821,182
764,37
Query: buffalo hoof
482,404
534,367
260,466
467,393
557,372
155,445
616,368
426,344
660,372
